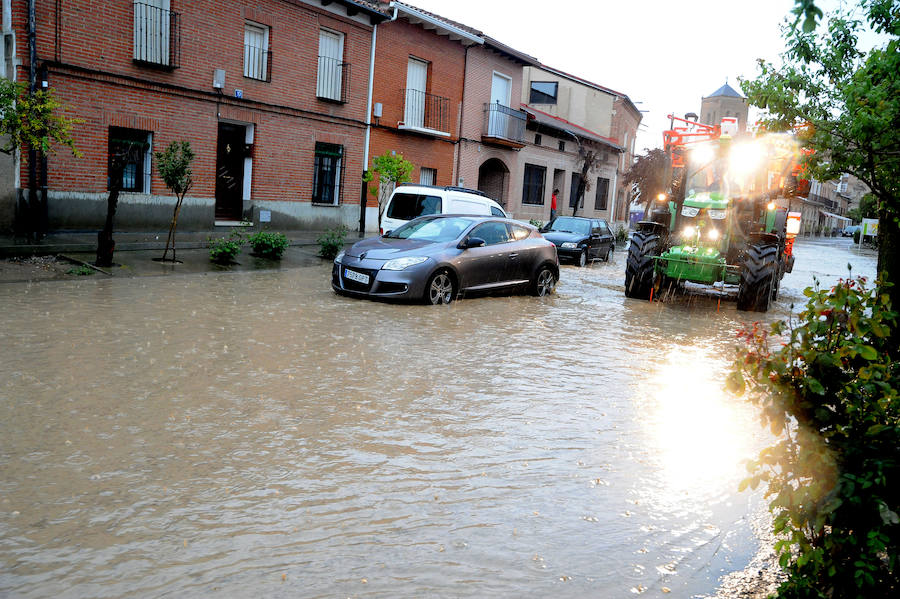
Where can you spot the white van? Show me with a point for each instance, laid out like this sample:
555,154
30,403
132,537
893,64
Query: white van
409,201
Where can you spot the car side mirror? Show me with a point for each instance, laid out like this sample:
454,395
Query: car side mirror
472,242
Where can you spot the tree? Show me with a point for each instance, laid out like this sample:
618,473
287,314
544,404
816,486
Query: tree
34,121
588,158
174,165
392,169
127,152
827,387
845,103
868,208
650,173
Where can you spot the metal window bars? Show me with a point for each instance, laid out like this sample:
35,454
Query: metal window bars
422,110
157,36
502,122
257,62
333,78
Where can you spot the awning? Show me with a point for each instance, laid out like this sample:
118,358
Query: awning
832,215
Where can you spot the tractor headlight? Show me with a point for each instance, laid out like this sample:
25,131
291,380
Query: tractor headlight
402,263
569,245
713,234
689,231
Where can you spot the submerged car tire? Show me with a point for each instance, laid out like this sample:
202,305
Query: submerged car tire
609,252
441,288
583,258
544,282
640,264
758,272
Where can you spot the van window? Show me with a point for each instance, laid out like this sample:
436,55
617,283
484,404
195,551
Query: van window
407,206
461,206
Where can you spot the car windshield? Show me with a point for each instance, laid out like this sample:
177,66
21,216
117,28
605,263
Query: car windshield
567,224
432,229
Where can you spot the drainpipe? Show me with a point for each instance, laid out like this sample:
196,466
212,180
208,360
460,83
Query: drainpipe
363,198
32,210
462,114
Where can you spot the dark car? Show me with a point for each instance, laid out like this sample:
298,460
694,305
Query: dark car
580,239
435,258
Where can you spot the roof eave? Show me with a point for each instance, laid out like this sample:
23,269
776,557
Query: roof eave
429,22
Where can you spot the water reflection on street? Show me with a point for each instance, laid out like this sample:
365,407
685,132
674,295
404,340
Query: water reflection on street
252,434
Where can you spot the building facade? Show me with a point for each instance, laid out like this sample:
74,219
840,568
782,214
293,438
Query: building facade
272,97
725,102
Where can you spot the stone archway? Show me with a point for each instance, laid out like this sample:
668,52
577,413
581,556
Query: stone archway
493,179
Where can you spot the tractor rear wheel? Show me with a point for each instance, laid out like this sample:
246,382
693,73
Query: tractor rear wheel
639,267
758,273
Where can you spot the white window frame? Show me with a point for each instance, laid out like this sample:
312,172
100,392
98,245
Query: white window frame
330,70
256,67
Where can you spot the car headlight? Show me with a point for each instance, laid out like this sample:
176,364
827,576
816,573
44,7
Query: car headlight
403,263
569,245
339,256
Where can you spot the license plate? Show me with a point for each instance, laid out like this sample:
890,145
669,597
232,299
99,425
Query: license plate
356,276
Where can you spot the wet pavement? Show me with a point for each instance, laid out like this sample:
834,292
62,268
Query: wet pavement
248,433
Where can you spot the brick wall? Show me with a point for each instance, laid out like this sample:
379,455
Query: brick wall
91,68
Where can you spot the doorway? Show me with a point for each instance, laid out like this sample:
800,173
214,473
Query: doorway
493,179
230,154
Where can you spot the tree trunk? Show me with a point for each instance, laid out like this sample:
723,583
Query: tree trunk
889,266
106,245
171,239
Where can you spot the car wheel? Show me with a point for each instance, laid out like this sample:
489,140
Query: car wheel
582,257
609,251
544,282
440,288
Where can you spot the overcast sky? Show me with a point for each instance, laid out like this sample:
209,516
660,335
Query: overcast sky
664,55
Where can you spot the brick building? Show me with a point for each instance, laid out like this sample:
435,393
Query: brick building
420,66
271,94
493,124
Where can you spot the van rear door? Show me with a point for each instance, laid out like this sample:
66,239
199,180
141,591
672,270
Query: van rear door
466,206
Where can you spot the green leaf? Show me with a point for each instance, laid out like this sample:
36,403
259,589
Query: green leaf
815,386
867,352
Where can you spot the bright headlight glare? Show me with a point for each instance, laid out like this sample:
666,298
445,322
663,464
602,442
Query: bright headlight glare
569,245
403,263
713,233
688,231
339,256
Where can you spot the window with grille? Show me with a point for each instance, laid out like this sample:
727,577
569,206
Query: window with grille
329,80
256,51
153,31
600,201
327,174
533,184
129,150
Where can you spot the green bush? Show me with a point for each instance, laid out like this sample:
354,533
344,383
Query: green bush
856,235
535,223
829,391
268,245
621,233
332,242
80,271
224,251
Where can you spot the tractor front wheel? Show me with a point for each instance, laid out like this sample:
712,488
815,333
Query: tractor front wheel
758,273
640,265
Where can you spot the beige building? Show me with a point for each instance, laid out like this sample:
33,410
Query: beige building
725,102
565,112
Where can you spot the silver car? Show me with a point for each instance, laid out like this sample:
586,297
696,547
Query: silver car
436,258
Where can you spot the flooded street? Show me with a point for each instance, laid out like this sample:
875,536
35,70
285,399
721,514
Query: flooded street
255,435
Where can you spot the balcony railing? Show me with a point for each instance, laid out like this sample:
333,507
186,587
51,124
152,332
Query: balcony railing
425,112
157,36
333,82
503,125
257,63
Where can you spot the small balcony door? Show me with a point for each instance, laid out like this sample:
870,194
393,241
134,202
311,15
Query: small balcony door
151,31
331,57
416,85
498,120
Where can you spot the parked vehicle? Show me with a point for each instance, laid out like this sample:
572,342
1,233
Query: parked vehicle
850,230
580,239
436,258
412,201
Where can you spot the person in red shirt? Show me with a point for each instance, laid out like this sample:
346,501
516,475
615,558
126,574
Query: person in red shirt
553,205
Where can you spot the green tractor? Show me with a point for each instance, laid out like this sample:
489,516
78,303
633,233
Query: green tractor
722,234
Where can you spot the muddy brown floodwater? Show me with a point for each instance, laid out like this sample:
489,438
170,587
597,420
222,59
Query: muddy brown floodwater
253,434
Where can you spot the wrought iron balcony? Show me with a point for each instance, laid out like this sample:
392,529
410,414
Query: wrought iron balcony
333,80
503,126
257,63
425,113
157,36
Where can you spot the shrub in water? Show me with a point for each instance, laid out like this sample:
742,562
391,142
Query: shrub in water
223,251
332,242
268,245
